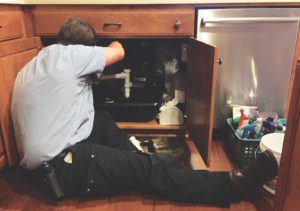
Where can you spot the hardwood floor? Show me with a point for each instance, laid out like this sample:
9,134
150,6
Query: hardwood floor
15,194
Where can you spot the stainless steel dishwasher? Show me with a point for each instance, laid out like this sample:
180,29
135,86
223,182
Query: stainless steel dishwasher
255,50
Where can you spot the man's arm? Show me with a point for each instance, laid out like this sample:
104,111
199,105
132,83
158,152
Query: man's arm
114,53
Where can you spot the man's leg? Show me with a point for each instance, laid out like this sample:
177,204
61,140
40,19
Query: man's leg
195,186
102,170
106,132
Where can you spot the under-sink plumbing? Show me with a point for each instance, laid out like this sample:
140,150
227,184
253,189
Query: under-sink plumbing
123,75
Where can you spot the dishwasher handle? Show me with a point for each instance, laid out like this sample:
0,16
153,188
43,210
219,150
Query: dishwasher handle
248,20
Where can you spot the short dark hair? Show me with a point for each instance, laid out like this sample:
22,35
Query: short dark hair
77,31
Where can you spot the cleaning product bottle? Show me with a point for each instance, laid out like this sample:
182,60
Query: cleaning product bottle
282,123
253,116
268,126
259,122
239,132
242,119
241,124
249,131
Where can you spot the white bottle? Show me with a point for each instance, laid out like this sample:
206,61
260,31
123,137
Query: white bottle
136,143
259,123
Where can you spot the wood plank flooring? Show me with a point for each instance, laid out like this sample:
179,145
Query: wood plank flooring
15,194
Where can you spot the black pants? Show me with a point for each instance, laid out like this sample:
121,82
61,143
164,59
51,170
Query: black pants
104,164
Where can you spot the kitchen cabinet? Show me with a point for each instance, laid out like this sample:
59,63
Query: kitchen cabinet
10,65
118,21
201,75
15,51
150,21
17,48
201,83
288,187
2,152
10,25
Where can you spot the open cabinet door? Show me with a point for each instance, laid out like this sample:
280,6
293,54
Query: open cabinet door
288,185
201,83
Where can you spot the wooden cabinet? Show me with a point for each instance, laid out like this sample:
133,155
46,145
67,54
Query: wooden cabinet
146,21
3,97
10,25
19,52
119,21
150,21
201,80
2,152
201,85
288,188
15,51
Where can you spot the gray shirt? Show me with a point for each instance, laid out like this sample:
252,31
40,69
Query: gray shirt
52,103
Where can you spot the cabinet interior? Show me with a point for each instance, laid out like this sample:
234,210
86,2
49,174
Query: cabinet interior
157,71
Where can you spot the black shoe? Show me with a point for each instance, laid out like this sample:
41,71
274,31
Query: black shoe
250,179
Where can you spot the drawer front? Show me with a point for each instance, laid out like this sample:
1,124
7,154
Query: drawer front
10,26
164,23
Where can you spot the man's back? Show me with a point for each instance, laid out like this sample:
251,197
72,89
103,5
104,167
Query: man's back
52,104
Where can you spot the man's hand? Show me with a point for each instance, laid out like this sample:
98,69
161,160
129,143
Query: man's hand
114,53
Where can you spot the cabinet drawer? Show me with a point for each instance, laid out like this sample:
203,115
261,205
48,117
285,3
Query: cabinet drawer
10,26
129,23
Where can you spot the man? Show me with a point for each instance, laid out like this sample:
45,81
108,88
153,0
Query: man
55,122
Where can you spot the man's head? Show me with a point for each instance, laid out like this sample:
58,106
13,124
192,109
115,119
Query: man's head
77,31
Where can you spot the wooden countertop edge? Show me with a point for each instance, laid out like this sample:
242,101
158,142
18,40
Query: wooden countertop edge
152,2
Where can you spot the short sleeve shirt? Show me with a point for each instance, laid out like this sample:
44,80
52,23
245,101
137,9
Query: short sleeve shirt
52,102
